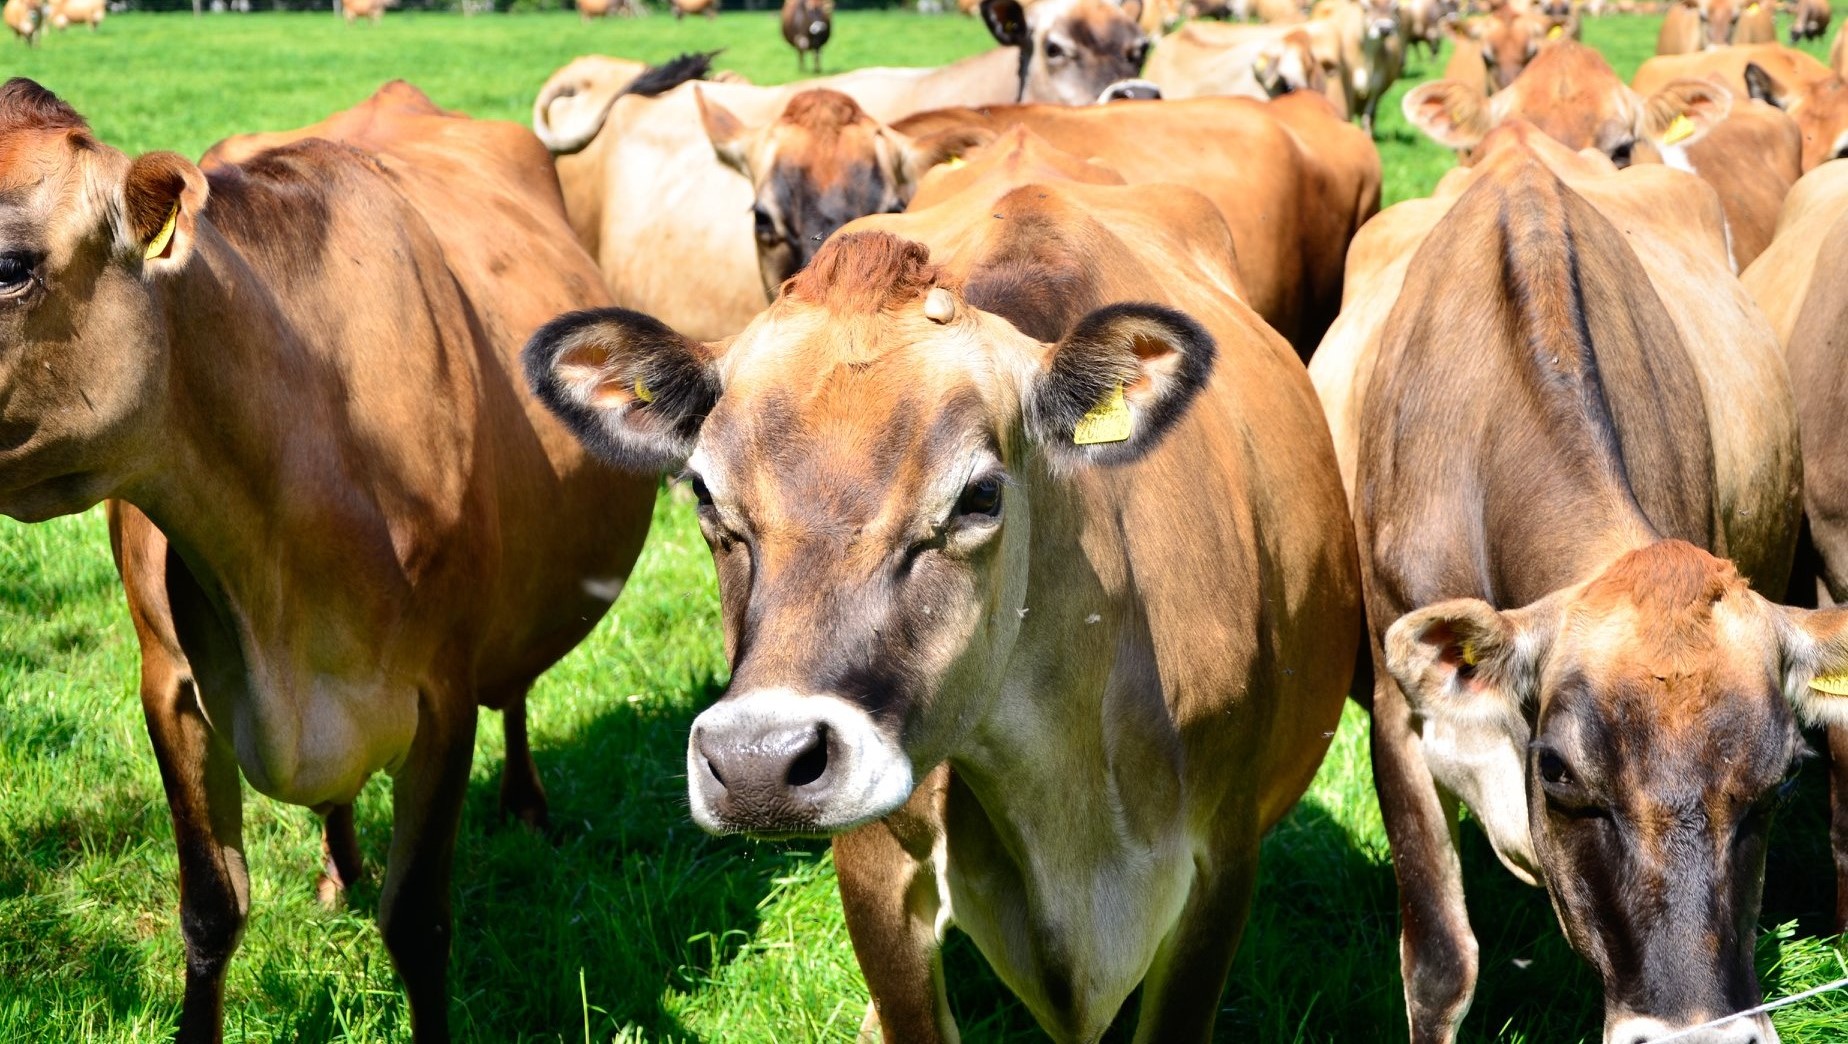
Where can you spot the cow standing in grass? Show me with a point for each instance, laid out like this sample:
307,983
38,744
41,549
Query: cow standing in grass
807,25
26,18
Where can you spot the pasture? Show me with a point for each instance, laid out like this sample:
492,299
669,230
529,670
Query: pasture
627,923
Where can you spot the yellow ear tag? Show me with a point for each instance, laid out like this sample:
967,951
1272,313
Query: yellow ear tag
1833,684
1108,421
1679,129
955,161
1751,9
158,245
1556,32
1470,657
642,392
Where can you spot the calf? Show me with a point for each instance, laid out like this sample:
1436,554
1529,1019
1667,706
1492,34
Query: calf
1570,419
1034,599
342,524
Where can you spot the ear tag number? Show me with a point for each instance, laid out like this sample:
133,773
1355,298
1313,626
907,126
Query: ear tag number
1470,656
1108,421
1679,129
1833,684
642,392
158,245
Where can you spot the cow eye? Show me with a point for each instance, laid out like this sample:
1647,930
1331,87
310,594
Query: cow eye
700,492
1138,53
1621,154
1053,51
981,499
15,274
766,225
1553,769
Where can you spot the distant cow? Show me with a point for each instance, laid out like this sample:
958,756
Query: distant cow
1576,482
1426,21
354,10
1202,59
1371,48
1494,49
26,18
1696,25
683,8
807,24
342,524
1810,21
65,13
1035,598
1757,24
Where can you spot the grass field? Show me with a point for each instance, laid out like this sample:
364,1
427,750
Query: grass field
628,924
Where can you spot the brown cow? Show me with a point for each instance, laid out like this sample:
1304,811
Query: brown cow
64,13
807,24
683,8
1810,21
1491,51
1749,153
1109,666
1819,107
354,10
1371,49
824,163
1728,65
26,18
1565,415
1206,59
303,369
1756,24
1695,25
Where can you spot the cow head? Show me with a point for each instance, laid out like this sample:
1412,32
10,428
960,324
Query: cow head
1653,713
1819,109
1571,94
1509,41
1717,18
1290,64
865,455
1382,19
85,236
1070,50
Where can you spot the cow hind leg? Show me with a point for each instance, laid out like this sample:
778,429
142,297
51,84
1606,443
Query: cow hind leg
414,905
1180,995
1838,820
340,862
522,795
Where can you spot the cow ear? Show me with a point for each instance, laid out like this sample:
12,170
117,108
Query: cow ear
1132,9
1682,112
1115,385
162,198
918,155
1462,659
730,139
633,391
1452,114
1007,22
1815,647
1763,86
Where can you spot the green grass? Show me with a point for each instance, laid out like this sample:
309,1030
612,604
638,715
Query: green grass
629,924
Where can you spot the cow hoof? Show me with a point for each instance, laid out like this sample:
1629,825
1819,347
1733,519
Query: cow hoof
330,893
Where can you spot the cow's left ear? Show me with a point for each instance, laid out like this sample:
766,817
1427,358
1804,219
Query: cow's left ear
1815,648
1682,112
1767,88
1463,661
162,197
1007,22
1455,115
730,139
1115,385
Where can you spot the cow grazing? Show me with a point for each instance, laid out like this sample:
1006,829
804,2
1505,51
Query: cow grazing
341,523
26,18
1034,598
645,191
1750,152
807,24
1818,106
1810,21
1575,477
824,162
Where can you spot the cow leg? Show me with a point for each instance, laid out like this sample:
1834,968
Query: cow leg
1838,820
1180,995
522,796
414,914
1437,949
889,892
340,863
200,775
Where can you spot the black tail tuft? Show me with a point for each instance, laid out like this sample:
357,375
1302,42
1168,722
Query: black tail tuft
659,79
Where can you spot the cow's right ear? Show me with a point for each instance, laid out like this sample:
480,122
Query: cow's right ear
1455,115
918,155
730,139
1007,22
1682,112
1462,659
633,391
162,197
1765,87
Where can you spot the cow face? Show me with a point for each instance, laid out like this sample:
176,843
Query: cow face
1717,18
1382,19
1290,64
1571,94
865,455
1070,50
84,235
1820,111
1509,42
1652,716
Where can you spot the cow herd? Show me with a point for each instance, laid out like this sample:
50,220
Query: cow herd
1066,462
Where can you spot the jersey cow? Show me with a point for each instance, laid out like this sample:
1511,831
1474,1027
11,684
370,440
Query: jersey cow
343,523
1034,597
824,162
1205,59
1575,477
646,194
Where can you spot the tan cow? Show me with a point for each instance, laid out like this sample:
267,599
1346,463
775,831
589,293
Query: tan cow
642,184
1046,674
304,369
1372,50
1749,152
1695,25
1281,12
1206,59
1427,22
824,162
1810,21
1491,51
26,18
1819,108
1788,65
683,8
65,13
354,10
1757,24
1576,476
1838,54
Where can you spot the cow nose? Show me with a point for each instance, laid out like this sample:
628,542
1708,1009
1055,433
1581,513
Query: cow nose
1130,90
1648,1031
764,777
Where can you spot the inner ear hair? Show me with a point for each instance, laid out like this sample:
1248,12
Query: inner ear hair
157,182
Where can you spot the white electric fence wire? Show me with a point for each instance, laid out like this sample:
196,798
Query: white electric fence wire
1749,1012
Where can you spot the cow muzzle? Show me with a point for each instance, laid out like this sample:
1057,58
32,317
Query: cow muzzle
1635,1030
1130,90
778,763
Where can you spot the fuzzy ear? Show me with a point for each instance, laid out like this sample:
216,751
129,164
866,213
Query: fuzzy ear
1763,86
1682,112
1132,9
1452,114
1007,22
161,201
633,391
1815,647
918,155
729,137
1461,659
1115,385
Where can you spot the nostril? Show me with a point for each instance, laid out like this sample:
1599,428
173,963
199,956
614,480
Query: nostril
712,768
812,762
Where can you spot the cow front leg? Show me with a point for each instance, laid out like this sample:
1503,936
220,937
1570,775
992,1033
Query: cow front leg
200,775
889,892
414,910
1437,949
1180,995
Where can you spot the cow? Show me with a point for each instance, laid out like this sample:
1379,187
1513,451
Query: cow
354,10
807,24
1576,481
824,162
1727,64
1697,25
26,18
65,13
1491,51
1749,152
1757,24
642,183
1795,282
1202,59
1046,688
1425,22
1810,21
1281,12
1371,48
683,8
1818,106
340,522
1560,19
1838,55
